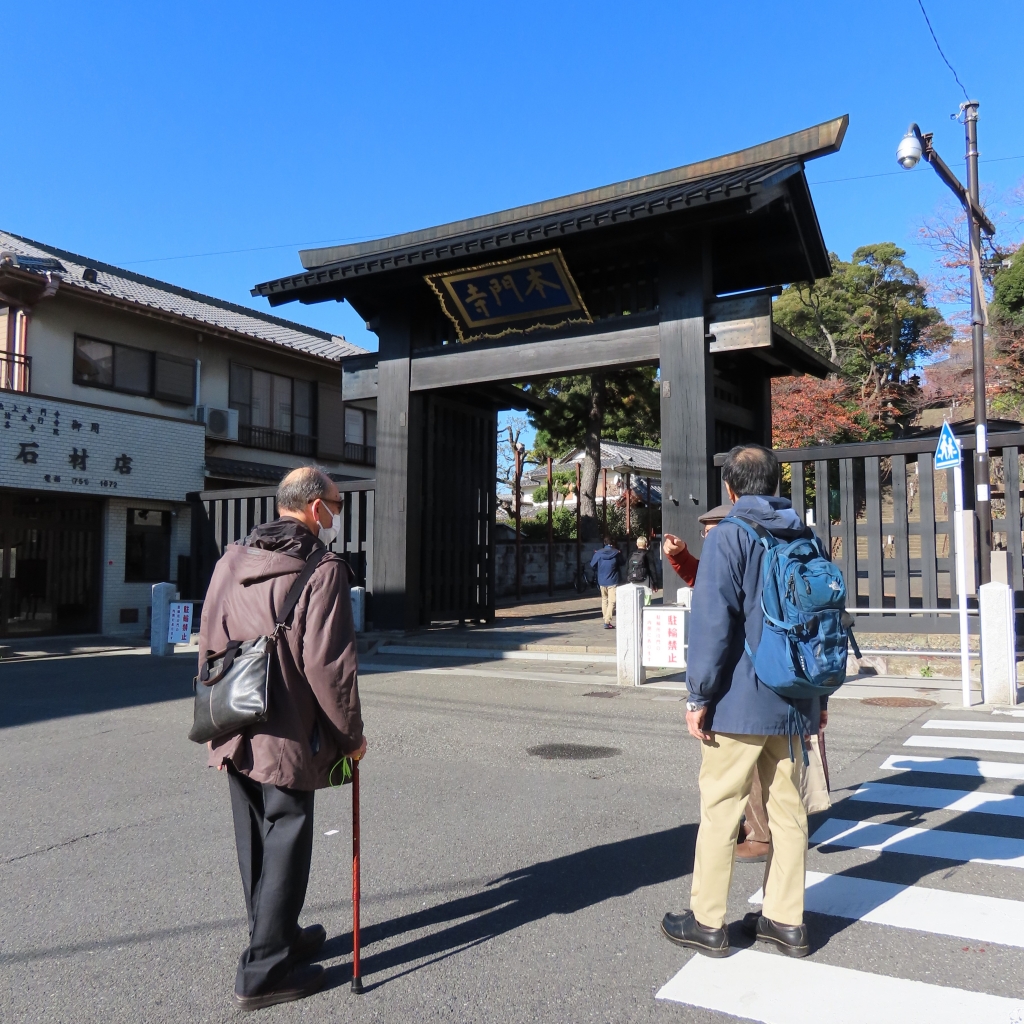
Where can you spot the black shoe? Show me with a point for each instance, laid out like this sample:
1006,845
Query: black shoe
308,941
684,930
299,983
790,938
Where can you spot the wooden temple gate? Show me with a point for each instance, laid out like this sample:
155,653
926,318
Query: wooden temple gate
675,269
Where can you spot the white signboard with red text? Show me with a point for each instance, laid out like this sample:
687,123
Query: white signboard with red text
664,637
179,622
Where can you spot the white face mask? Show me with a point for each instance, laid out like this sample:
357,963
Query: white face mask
329,534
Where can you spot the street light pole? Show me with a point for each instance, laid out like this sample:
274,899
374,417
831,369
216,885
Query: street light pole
913,146
983,502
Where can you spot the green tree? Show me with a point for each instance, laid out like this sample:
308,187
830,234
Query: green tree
872,319
1008,292
621,405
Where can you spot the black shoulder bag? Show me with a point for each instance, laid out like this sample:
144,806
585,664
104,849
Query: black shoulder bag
232,688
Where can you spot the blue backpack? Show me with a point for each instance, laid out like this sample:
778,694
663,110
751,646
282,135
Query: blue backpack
802,652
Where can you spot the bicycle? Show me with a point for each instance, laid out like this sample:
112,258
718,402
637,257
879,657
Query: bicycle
586,579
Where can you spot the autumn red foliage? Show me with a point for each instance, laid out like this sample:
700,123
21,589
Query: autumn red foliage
807,412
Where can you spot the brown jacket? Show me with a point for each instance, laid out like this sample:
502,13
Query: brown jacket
313,707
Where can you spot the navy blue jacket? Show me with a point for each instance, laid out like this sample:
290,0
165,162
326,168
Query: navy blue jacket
607,559
727,609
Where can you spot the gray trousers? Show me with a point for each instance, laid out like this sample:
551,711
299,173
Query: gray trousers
274,839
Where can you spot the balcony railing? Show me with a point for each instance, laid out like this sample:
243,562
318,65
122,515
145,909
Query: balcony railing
276,440
15,372
361,453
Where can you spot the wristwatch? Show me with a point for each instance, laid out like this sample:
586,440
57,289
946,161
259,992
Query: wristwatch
693,706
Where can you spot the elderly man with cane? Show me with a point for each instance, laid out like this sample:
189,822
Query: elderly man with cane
282,586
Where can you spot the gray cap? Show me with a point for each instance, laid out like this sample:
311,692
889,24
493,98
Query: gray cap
715,515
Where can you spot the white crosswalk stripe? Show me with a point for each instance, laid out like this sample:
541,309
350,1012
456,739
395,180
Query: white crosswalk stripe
967,743
966,847
969,767
959,800
915,908
772,989
958,725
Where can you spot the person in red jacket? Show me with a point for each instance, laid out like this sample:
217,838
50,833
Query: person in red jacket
756,838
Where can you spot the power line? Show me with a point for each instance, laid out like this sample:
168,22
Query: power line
935,38
892,174
364,238
233,252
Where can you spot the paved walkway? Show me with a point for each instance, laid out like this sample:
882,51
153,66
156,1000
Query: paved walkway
567,624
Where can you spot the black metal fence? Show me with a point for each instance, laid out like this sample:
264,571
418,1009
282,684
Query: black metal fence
887,516
220,518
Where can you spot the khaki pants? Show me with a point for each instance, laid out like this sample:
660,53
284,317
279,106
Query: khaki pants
607,603
727,768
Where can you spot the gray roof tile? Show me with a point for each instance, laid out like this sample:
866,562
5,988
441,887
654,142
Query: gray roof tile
147,291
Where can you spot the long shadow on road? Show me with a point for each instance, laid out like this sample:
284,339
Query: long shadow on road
562,886
39,691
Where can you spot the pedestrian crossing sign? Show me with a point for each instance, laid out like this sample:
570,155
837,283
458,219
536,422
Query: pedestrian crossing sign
947,452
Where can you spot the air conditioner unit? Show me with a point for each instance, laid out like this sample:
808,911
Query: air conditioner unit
220,423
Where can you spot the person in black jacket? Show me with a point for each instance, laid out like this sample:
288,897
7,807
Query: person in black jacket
640,568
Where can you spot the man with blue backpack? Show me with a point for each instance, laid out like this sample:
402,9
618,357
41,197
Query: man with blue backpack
767,646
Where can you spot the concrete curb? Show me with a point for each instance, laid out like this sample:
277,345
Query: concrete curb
493,654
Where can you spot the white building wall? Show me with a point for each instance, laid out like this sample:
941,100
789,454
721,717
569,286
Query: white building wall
118,594
51,343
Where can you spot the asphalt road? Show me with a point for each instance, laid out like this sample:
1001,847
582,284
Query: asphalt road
498,885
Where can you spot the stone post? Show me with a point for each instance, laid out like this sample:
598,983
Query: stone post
163,595
629,624
998,644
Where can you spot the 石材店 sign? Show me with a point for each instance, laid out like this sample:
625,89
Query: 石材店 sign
49,445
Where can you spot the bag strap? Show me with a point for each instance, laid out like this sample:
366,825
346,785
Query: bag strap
300,582
756,530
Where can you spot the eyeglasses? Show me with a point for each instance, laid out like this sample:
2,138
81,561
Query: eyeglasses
331,503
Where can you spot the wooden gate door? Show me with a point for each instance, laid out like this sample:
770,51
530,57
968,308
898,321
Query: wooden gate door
457,552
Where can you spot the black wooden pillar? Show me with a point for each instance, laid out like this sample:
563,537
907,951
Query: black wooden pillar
687,419
397,522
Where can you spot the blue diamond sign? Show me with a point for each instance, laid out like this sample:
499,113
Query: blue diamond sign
947,452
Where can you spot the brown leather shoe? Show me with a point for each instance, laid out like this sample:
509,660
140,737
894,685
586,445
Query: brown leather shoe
299,983
752,852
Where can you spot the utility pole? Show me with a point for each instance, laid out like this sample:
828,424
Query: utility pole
519,501
983,501
913,146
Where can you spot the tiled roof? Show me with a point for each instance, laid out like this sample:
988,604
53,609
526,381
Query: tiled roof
616,453
127,286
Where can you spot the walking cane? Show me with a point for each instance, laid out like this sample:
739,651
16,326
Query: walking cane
357,981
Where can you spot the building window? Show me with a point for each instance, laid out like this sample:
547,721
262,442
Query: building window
360,436
275,413
133,371
147,546
174,379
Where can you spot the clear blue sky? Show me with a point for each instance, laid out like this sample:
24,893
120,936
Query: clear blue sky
141,133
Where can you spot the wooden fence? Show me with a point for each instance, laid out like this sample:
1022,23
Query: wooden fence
220,518
886,515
